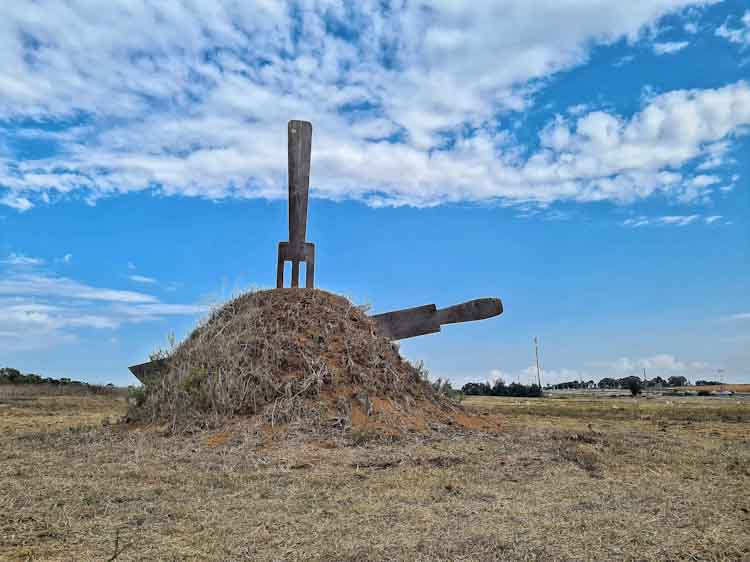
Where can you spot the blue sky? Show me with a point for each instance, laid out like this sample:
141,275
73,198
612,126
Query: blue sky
586,162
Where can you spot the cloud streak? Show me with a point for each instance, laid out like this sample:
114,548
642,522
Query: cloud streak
739,35
62,287
21,260
670,220
669,48
142,279
39,311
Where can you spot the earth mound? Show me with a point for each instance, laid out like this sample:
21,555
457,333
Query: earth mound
295,357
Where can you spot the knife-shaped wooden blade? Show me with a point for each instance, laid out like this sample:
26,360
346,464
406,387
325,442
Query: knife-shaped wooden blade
145,371
408,322
427,319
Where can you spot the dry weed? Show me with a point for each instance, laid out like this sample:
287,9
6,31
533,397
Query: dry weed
288,356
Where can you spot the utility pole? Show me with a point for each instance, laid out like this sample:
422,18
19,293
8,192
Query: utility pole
538,371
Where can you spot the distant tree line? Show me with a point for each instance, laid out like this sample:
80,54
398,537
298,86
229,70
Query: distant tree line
499,388
707,383
9,375
623,383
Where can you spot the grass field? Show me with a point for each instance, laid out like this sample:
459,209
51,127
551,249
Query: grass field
721,387
564,479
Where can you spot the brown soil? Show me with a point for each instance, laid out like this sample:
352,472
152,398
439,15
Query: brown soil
299,359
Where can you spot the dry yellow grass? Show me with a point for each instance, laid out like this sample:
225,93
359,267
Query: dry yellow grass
720,387
599,484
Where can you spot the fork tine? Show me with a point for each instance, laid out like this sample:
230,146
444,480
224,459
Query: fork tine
280,271
295,273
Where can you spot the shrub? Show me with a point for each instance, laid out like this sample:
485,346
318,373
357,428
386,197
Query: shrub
499,388
634,386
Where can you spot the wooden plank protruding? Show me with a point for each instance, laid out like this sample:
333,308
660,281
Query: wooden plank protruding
146,371
477,309
408,323
427,319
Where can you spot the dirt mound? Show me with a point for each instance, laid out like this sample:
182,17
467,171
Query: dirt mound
295,358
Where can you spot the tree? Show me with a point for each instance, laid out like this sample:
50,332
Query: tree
607,382
626,381
498,389
657,381
10,375
677,381
634,386
476,389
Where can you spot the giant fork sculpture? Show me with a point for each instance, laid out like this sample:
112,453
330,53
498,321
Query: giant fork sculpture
395,325
296,249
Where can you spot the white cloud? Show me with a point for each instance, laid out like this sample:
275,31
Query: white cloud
548,376
39,311
44,286
197,106
21,260
624,60
15,201
669,220
635,222
599,156
739,35
578,109
662,364
142,279
147,312
66,259
715,155
691,27
554,376
30,325
678,220
670,47
740,316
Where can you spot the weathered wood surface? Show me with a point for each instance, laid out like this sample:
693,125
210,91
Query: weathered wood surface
300,146
421,320
408,323
477,309
296,249
144,371
295,255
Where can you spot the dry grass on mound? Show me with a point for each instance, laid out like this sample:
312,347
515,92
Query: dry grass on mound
297,357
